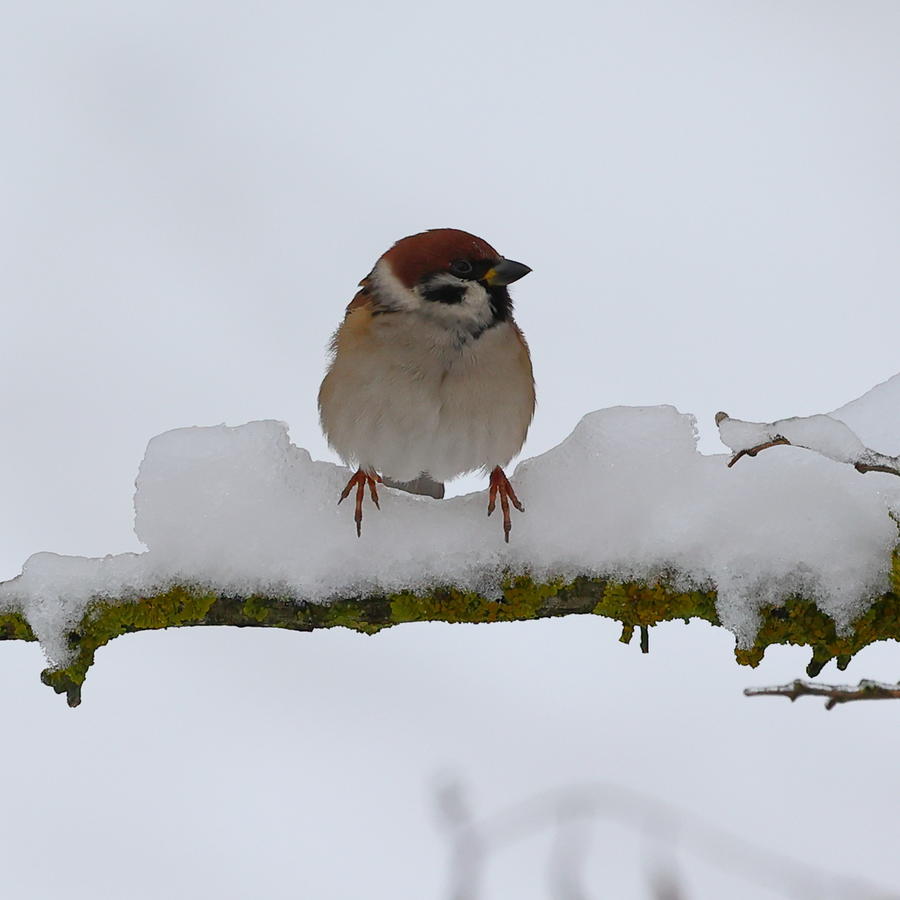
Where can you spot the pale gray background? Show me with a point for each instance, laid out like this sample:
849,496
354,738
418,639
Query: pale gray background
708,194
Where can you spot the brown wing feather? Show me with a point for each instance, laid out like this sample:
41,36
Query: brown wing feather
363,296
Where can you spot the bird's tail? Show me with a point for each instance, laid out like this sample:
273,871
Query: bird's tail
424,485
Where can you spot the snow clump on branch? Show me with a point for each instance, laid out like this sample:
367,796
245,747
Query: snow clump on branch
241,510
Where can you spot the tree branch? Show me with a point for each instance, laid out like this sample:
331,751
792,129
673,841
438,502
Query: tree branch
637,606
752,451
836,693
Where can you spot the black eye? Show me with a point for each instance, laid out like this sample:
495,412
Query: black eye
461,267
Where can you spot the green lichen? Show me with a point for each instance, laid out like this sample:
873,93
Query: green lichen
895,571
366,617
105,620
800,622
521,599
14,627
637,606
256,609
643,605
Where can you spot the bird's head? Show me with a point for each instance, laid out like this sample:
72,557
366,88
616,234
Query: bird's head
446,275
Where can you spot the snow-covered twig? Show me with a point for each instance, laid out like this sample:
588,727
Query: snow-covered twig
821,434
836,693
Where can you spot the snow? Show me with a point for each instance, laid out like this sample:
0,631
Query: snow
832,435
627,494
821,433
874,416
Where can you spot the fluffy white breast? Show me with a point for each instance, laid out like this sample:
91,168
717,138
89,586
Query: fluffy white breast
408,394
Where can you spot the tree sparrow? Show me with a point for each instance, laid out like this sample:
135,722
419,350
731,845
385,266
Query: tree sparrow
430,375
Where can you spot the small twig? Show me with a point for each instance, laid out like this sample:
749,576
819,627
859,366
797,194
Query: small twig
836,693
865,467
864,460
752,451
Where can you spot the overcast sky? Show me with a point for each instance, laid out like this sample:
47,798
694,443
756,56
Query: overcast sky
709,196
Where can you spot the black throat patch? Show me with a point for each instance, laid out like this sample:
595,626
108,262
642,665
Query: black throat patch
501,302
498,299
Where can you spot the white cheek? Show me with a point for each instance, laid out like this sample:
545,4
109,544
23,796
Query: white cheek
477,298
391,291
473,313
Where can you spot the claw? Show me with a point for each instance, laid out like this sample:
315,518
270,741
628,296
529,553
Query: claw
499,484
359,480
373,490
492,496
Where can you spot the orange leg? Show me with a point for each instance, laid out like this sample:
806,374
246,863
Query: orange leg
499,484
359,480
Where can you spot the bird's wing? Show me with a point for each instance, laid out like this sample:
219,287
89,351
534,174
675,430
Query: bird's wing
363,297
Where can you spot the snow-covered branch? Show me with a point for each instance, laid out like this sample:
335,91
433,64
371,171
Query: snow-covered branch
637,606
626,519
822,434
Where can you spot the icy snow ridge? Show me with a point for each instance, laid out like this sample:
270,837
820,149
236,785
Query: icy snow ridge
626,495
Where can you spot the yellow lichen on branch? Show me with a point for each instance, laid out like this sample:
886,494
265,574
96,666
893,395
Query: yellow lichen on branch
635,605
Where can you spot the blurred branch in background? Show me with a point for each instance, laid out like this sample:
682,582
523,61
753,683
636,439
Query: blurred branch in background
568,853
567,815
836,693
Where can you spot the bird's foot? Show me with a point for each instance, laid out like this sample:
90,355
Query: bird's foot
500,485
360,479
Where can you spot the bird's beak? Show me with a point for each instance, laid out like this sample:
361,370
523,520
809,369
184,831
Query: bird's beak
505,272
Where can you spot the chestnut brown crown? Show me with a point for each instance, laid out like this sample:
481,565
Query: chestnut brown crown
419,255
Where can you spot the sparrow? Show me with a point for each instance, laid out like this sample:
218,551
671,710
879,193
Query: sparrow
430,376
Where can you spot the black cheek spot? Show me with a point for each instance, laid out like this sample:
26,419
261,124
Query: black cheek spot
445,293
